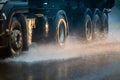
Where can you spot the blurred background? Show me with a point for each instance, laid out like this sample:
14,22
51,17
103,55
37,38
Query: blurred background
117,3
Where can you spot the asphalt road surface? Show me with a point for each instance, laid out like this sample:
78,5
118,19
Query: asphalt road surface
99,60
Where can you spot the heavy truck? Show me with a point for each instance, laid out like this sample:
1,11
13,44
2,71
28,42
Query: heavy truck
25,21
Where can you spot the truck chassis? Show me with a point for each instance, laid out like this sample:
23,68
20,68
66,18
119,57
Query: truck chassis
25,21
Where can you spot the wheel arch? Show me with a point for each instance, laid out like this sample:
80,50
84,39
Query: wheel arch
97,11
88,11
63,13
105,11
10,10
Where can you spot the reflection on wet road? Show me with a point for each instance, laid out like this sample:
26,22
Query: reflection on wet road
99,60
100,67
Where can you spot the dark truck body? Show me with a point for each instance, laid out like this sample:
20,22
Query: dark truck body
74,9
86,3
46,6
45,12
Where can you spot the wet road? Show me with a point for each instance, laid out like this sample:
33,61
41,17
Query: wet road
94,67
99,60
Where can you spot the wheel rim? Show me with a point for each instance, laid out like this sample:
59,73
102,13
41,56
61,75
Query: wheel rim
61,32
88,30
16,41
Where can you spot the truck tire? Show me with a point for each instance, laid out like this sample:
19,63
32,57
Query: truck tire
22,20
105,28
87,29
15,38
61,26
97,25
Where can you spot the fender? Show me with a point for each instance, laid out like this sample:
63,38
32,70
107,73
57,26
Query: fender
10,9
97,11
62,12
88,11
106,11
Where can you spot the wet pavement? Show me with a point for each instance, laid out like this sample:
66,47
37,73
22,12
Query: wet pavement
94,67
99,60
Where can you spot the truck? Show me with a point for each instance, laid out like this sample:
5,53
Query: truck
25,21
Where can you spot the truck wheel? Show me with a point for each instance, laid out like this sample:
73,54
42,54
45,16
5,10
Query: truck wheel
21,19
61,30
87,28
97,26
104,26
15,38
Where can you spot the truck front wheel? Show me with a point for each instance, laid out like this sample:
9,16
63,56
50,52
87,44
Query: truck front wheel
24,26
15,38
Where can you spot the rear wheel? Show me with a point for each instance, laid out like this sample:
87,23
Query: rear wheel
97,26
61,30
15,38
104,25
87,28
